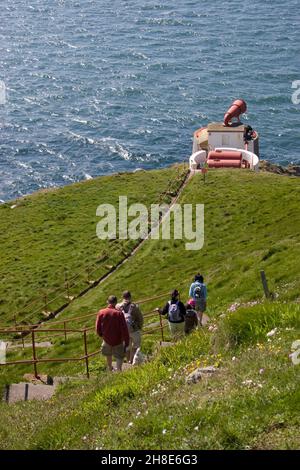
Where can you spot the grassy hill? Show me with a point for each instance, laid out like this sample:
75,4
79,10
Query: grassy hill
252,222
50,237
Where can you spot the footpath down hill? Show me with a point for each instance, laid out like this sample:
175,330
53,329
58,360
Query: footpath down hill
252,222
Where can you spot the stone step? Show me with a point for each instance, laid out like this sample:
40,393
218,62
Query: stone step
165,344
125,366
43,344
26,391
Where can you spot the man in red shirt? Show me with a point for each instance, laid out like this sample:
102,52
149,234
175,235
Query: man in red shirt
112,327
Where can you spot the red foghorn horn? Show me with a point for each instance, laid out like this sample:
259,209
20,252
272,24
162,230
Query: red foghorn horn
237,108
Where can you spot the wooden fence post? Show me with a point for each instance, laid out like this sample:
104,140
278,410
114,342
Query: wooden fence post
86,355
265,284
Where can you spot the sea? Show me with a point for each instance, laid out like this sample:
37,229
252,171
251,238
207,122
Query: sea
95,87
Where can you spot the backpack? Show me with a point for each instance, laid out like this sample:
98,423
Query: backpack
127,315
174,314
199,291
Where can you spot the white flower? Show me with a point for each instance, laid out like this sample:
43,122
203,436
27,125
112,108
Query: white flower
84,438
261,371
164,431
247,382
234,358
272,332
129,425
196,428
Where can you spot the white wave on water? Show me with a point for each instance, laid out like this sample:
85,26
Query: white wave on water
106,143
96,88
81,121
23,165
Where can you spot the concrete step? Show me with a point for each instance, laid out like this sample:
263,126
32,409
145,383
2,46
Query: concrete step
125,366
27,391
43,344
165,344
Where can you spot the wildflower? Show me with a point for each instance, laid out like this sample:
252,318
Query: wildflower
272,333
261,371
234,358
248,382
164,431
130,425
196,428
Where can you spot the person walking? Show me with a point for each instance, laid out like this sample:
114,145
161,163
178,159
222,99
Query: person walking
112,328
198,292
191,318
175,311
134,320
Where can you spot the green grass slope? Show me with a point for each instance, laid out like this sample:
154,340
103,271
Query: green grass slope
252,222
251,402
52,233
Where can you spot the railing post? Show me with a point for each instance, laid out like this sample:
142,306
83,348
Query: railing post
65,328
265,284
34,355
86,355
161,327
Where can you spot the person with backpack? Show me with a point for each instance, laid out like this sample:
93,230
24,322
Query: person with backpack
175,311
134,320
191,318
198,292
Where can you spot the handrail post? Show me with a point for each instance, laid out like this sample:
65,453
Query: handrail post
34,355
65,329
86,355
161,327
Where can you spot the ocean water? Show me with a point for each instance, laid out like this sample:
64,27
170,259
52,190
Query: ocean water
95,87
